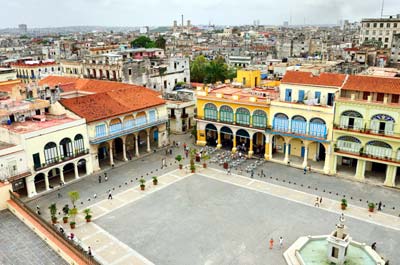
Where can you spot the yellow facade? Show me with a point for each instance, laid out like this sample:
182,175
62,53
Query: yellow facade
249,78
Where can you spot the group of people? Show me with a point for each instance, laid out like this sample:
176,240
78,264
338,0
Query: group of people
271,243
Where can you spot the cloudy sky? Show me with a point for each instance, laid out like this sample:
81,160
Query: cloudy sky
54,13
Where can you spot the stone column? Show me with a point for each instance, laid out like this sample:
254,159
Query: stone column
124,149
30,186
46,181
360,171
111,151
62,175
137,145
76,171
251,152
178,120
286,160
268,148
219,145
390,176
334,165
148,141
234,143
327,164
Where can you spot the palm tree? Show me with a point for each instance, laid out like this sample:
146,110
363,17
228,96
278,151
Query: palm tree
74,196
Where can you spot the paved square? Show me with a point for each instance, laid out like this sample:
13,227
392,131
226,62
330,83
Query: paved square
199,220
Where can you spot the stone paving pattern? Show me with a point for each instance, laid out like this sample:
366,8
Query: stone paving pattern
21,246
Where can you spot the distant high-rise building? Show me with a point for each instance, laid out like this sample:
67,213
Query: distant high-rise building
23,28
380,29
286,24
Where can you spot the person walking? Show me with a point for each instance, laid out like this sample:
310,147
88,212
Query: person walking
58,194
95,195
305,170
280,242
99,179
320,200
170,151
316,204
271,243
228,171
162,163
379,206
106,178
252,173
110,195
89,251
373,246
261,173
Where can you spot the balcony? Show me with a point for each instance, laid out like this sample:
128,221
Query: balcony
184,115
125,131
366,156
197,117
59,160
370,131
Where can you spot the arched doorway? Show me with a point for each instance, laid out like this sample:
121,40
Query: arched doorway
103,153
142,141
154,137
54,177
242,141
130,146
82,171
118,148
226,138
69,172
278,147
40,182
211,135
66,149
259,144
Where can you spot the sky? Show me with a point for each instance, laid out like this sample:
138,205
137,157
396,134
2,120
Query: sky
57,13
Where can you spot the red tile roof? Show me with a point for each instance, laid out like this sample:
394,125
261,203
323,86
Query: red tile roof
306,78
82,84
9,85
373,84
113,103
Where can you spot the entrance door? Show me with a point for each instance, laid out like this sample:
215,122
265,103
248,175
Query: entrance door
331,97
36,160
351,123
155,136
303,151
382,127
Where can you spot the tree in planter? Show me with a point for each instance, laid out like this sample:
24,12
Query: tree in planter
205,158
155,180
73,212
179,159
65,210
343,204
371,206
53,212
142,183
74,196
192,152
88,215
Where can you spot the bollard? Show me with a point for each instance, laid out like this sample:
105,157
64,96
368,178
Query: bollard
119,186
316,188
132,180
324,190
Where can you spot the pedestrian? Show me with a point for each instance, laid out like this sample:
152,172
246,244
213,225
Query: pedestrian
105,174
173,143
58,195
38,212
252,173
373,246
309,168
228,171
184,146
316,202
380,206
99,179
106,178
37,207
186,153
109,195
162,163
89,251
262,173
95,195
271,243
305,170
170,151
320,200
166,152
280,242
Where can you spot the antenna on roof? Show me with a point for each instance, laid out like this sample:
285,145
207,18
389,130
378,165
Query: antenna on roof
383,4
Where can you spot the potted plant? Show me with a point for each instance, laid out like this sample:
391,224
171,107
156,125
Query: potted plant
142,183
74,196
193,168
205,158
88,217
371,206
65,219
343,204
155,180
53,213
179,159
73,212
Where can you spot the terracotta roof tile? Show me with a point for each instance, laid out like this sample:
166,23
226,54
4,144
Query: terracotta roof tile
9,85
306,78
373,84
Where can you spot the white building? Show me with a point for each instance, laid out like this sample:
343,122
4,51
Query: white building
380,29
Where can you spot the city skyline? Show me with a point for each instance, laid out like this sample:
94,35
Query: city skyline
126,13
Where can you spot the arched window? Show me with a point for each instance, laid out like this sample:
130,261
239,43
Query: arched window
351,120
141,119
349,144
210,112
115,125
378,149
299,124
226,114
281,122
382,123
101,130
259,119
152,115
79,143
50,153
243,116
317,128
66,148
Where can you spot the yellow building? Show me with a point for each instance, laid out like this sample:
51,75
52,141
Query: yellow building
235,119
367,130
301,120
249,78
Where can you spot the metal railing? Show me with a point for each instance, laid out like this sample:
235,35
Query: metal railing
366,130
77,250
58,160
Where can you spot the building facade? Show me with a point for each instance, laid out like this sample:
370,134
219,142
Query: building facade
380,29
